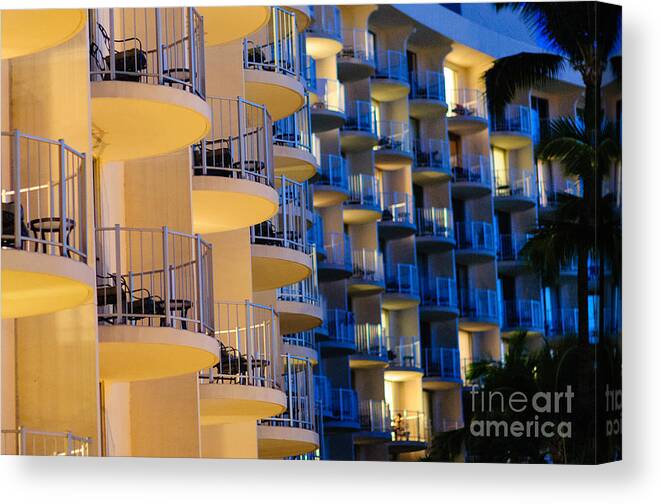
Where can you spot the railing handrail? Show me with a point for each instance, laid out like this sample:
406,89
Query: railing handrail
295,130
440,291
515,118
327,20
333,171
331,95
375,415
394,135
364,191
402,278
472,234
478,302
344,404
391,64
341,325
368,264
465,102
359,44
397,207
443,362
409,425
370,339
432,153
404,351
361,116
523,312
74,445
427,84
435,221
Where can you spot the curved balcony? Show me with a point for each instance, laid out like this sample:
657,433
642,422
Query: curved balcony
329,112
471,176
439,299
154,296
299,305
27,441
371,351
522,315
475,242
435,230
514,191
303,14
292,146
397,217
233,182
341,338
294,432
375,422
29,31
324,35
512,130
510,260
332,186
390,80
364,203
442,368
404,361
337,265
359,132
410,431
427,96
402,289
564,323
44,227
316,237
147,81
551,196
432,161
478,309
368,278
280,252
227,24
467,111
271,65
244,384
301,344
357,61
343,411
394,149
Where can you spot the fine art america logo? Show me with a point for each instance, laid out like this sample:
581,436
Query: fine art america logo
543,412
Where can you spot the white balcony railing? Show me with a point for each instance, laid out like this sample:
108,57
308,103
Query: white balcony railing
26,441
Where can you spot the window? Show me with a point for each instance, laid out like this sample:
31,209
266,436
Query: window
499,163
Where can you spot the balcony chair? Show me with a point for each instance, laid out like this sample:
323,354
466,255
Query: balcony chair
218,155
134,307
129,64
461,110
267,234
8,221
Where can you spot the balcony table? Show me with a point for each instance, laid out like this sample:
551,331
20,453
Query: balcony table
43,227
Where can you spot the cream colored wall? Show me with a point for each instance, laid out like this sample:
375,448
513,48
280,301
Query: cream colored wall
7,385
117,419
237,440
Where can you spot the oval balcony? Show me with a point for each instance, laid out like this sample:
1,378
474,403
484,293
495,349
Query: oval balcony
553,196
293,146
371,351
513,129
30,31
233,182
475,242
147,81
435,230
227,24
294,431
359,131
431,161
390,81
522,315
299,305
427,96
410,431
28,441
397,217
357,61
394,150
404,361
467,111
316,237
341,336
154,293
337,265
510,259
478,309
471,176
368,278
402,289
442,368
439,299
45,265
301,344
375,422
324,35
364,203
343,411
514,191
280,252
332,186
244,384
271,65
329,111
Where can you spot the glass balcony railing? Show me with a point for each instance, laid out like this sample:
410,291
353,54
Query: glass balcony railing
436,222
427,85
309,72
480,304
391,65
510,245
471,168
294,131
361,116
440,292
394,136
515,183
522,313
403,279
316,235
338,251
341,326
409,426
467,103
274,48
344,405
404,352
364,191
358,45
367,265
333,172
369,340
514,119
475,235
302,339
331,96
26,441
397,208
433,154
326,22
551,195
375,416
442,362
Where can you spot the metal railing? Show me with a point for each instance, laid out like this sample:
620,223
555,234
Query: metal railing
375,415
367,265
361,116
26,441
409,425
44,196
515,118
238,144
154,277
338,251
358,44
364,191
344,405
467,103
246,333
397,207
316,234
302,339
369,340
306,291
403,279
274,48
404,352
514,183
471,168
163,46
394,135
441,292
326,21
438,222
333,172
341,326
481,304
510,245
442,362
550,195
308,68
475,235
288,227
322,395
449,424
294,131
524,313
433,153
427,85
331,95
392,65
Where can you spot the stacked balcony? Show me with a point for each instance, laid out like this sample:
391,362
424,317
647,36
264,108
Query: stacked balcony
435,230
410,431
341,336
338,263
316,237
371,351
552,196
476,242
343,411
432,161
359,131
397,217
439,299
510,259
402,287
427,96
293,146
467,111
228,24
368,276
404,358
357,60
471,176
514,191
332,186
299,304
512,129
442,368
364,203
394,149
522,315
324,35
390,80
329,111
478,309
375,422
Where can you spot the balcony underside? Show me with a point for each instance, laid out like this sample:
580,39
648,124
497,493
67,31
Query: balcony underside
392,159
301,351
424,175
477,324
440,383
298,317
474,256
274,267
280,442
281,94
387,90
341,425
329,272
353,69
438,313
367,361
302,14
132,120
470,190
131,353
357,141
325,196
433,244
326,120
318,46
226,24
513,267
231,403
297,164
509,140
508,331
402,374
406,446
392,230
422,108
466,125
362,287
360,214
334,348
35,284
513,203
365,437
399,301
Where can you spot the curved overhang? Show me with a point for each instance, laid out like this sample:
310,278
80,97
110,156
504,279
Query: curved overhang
470,190
510,140
226,24
399,301
387,90
440,383
423,175
298,317
231,403
465,124
281,94
353,69
402,374
360,214
277,442
367,361
474,256
392,160
274,267
422,108
477,324
513,203
356,140
301,351
325,195
294,163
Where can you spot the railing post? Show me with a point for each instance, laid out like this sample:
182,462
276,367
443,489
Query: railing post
249,342
200,283
273,349
18,218
276,38
118,275
112,53
63,196
82,207
159,46
69,444
289,391
191,48
166,273
240,108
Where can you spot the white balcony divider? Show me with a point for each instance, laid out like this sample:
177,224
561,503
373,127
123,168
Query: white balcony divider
391,65
408,425
333,172
404,351
326,21
163,46
467,103
361,116
367,265
432,153
44,196
295,131
397,207
434,221
331,95
442,362
369,340
514,119
475,235
441,292
358,44
375,415
394,135
471,168
481,304
274,48
364,191
27,441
